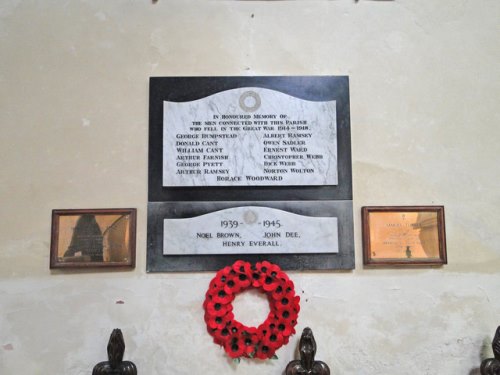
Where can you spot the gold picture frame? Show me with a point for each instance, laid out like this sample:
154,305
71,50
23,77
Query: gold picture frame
403,236
83,238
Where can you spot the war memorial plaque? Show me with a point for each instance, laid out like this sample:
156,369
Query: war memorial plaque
249,136
249,168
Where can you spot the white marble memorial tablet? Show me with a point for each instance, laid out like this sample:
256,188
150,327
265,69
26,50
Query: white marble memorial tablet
249,137
250,230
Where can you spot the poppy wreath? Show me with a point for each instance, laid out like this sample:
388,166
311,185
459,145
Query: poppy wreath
237,339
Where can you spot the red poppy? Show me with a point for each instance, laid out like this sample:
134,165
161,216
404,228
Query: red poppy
274,271
274,339
221,335
218,322
234,346
268,282
243,279
264,351
218,309
241,267
283,289
250,342
222,297
283,277
222,276
285,327
287,314
278,293
289,287
284,303
232,286
235,327
263,266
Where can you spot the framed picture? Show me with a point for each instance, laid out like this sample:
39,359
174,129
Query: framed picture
252,168
93,238
404,236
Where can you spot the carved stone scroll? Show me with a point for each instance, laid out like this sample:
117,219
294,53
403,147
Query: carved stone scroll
115,364
307,365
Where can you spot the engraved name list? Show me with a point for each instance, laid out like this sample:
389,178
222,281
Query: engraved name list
244,137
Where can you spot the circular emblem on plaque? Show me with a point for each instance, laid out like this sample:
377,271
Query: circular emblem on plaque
250,101
250,217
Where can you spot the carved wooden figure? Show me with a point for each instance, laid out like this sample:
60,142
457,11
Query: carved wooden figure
307,365
115,364
491,366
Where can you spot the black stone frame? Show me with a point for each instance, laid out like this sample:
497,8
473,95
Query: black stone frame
161,198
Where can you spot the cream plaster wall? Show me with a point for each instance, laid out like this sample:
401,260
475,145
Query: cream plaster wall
424,78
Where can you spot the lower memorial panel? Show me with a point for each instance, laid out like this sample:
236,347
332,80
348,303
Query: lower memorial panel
197,236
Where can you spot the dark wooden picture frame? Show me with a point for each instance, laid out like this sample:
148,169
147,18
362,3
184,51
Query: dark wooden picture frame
83,238
403,236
